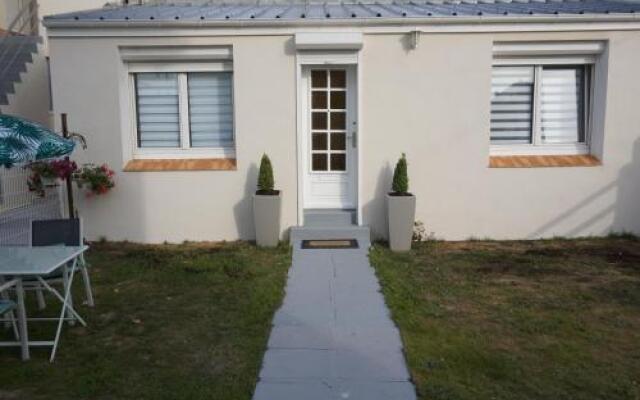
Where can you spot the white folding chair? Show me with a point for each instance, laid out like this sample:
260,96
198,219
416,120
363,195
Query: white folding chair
52,232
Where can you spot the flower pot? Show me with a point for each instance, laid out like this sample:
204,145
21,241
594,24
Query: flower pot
49,182
401,213
266,216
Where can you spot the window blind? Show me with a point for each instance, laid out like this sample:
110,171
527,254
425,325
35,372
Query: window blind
210,109
562,102
511,105
157,110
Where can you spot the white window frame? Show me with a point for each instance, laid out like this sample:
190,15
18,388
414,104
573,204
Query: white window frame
185,150
543,54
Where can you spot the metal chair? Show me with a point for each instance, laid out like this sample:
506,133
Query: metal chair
53,232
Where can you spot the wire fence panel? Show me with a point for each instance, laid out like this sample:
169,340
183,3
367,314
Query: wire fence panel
19,206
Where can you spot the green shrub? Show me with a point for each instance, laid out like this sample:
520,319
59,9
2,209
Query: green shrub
265,176
400,184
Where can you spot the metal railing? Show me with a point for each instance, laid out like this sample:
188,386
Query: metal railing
24,24
25,21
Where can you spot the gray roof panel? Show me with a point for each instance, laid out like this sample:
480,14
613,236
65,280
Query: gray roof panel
359,10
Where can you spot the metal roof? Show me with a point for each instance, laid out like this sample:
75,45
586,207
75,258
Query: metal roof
209,11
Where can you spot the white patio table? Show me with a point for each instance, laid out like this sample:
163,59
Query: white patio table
21,262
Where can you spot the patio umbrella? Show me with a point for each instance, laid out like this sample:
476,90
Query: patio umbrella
23,141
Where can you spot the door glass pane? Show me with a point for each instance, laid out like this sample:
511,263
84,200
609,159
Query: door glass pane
338,100
338,141
319,120
319,100
319,79
328,135
562,105
338,79
319,162
157,110
338,162
338,120
511,105
319,141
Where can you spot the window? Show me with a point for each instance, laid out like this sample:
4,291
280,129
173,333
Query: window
540,107
184,111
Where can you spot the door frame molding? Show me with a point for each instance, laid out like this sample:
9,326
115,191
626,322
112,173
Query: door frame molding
327,58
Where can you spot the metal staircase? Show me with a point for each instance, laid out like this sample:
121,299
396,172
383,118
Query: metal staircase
18,44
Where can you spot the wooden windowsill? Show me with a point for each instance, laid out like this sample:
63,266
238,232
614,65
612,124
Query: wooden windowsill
187,164
543,161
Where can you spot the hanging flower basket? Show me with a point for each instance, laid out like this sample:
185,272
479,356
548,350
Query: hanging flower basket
46,174
94,179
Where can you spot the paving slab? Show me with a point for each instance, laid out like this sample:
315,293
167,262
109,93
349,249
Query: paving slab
305,390
367,338
333,338
373,390
373,364
301,337
297,364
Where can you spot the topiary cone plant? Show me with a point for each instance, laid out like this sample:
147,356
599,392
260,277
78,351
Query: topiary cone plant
401,208
400,185
265,177
266,206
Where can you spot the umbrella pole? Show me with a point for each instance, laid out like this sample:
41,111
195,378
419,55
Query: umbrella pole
65,134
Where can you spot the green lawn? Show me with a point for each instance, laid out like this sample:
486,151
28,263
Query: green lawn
171,322
518,320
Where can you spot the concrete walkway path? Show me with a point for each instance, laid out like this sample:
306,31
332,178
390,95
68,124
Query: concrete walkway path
333,337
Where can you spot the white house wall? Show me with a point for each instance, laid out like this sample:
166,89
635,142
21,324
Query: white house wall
431,102
175,206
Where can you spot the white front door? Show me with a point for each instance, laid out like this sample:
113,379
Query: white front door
331,137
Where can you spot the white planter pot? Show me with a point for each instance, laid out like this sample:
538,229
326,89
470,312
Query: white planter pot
266,216
49,182
401,212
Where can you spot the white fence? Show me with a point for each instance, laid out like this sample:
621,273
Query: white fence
19,206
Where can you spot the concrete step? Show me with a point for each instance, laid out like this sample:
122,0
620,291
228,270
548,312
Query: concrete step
15,70
360,233
8,51
13,39
8,80
329,217
16,52
14,60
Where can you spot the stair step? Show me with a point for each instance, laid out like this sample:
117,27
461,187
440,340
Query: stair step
15,70
13,59
329,217
16,52
11,50
19,39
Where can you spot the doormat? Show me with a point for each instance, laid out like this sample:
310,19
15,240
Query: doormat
324,244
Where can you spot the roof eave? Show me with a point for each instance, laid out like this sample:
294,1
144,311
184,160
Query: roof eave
52,23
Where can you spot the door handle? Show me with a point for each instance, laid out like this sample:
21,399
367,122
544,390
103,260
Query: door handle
354,139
